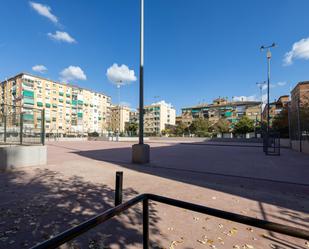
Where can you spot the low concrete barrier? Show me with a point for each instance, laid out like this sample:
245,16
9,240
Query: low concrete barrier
15,156
68,139
304,146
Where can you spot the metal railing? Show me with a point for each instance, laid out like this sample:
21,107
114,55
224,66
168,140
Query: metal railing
271,143
145,198
22,125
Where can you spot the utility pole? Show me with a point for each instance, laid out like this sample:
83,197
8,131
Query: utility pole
260,85
268,54
141,151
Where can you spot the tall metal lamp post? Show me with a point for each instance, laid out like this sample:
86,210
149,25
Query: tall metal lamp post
260,85
267,48
141,151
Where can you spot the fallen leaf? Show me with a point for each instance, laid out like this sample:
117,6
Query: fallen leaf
233,231
250,229
236,246
210,241
175,243
247,246
201,241
220,226
307,243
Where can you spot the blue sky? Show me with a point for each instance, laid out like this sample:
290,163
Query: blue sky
195,50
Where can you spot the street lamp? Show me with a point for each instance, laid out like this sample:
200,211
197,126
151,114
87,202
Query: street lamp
141,151
268,78
260,85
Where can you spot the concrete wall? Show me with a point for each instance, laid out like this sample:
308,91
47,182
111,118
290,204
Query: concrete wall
63,139
285,142
15,156
304,145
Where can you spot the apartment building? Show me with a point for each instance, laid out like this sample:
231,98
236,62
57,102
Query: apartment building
69,109
158,116
222,108
120,115
300,95
275,107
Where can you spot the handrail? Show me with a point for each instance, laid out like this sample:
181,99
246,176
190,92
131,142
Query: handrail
108,214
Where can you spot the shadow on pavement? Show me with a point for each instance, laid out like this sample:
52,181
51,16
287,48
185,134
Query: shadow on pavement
36,208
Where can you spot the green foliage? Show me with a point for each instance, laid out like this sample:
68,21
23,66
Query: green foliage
200,127
180,129
93,134
222,126
131,128
244,125
281,123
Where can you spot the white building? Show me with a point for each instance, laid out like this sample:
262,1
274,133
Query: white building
120,115
158,116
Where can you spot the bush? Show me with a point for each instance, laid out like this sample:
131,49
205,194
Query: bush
93,134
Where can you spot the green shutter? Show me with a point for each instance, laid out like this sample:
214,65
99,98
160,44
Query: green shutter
28,93
74,102
28,101
27,116
68,95
40,104
61,100
68,101
80,102
228,114
80,114
47,105
61,93
55,105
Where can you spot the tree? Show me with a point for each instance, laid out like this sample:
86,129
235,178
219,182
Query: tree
131,128
200,127
222,126
281,123
180,129
244,125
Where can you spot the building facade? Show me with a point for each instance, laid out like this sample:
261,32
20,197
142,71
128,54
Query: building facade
221,108
275,108
158,116
300,95
68,109
120,115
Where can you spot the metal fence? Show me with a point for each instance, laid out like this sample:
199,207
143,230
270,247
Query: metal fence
299,122
21,125
120,207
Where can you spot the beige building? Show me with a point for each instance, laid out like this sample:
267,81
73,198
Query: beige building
221,108
158,116
300,94
120,115
69,109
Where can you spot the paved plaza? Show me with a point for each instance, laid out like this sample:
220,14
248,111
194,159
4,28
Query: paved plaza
78,183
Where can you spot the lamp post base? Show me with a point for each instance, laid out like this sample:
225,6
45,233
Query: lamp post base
140,153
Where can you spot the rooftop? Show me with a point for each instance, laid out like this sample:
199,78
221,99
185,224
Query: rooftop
60,83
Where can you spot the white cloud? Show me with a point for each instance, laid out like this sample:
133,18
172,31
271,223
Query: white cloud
278,84
281,83
61,36
300,50
44,10
124,103
39,68
120,75
72,73
245,98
